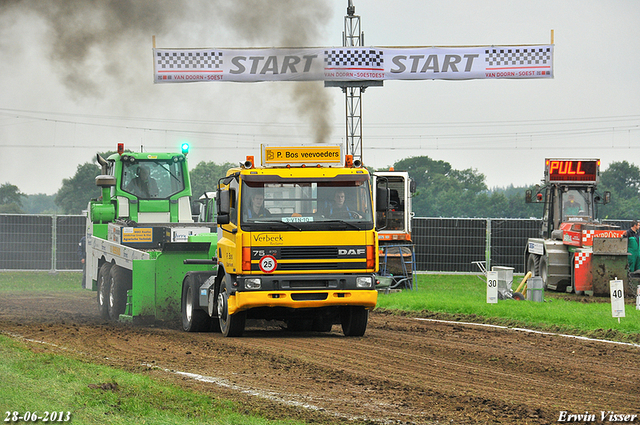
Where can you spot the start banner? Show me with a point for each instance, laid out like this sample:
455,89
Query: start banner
352,64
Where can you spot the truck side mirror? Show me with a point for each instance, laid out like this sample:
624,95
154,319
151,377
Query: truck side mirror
412,186
195,208
223,206
382,199
600,200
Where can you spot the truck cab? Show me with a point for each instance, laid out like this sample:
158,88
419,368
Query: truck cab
397,253
296,242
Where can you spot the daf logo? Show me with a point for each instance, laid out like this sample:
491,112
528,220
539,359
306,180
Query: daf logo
359,251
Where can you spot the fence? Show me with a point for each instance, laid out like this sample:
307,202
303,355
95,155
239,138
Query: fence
45,242
40,242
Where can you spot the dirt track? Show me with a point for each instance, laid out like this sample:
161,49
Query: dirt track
403,370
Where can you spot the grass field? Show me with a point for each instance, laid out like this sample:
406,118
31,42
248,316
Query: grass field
36,381
463,297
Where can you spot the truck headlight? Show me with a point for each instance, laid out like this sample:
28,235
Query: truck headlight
364,282
253,283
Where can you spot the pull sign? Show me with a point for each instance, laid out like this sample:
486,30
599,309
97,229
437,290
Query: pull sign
616,289
492,287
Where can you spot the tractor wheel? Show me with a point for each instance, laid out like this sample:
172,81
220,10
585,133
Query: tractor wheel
103,291
193,319
230,324
533,264
354,321
544,271
119,284
517,296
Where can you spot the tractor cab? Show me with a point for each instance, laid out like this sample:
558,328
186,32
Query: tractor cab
149,187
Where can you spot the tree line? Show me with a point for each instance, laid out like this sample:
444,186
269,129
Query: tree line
442,191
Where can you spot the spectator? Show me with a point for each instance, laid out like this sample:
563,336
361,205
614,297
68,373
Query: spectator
82,255
633,246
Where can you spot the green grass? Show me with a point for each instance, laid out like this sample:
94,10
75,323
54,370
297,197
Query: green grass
463,297
45,382
40,281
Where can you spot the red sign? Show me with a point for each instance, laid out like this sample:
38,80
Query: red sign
571,170
268,264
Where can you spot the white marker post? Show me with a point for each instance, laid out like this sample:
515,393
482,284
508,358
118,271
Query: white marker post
492,287
616,289
638,297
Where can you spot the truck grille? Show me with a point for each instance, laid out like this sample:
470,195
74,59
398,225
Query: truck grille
317,258
313,284
306,296
308,253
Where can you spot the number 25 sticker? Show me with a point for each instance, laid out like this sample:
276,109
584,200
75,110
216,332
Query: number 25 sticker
268,264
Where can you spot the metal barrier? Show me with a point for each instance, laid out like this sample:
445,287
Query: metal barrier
456,244
450,245
40,242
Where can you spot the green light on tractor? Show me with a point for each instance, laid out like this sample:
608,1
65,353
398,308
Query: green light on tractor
185,148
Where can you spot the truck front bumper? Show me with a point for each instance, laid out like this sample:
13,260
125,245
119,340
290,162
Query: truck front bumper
302,299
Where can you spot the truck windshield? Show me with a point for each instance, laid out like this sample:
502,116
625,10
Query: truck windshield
576,203
295,205
152,179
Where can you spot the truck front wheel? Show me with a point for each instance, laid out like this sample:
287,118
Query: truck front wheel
230,324
103,291
193,319
354,320
119,284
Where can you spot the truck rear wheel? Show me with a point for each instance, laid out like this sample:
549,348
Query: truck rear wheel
103,290
193,319
354,320
230,324
120,283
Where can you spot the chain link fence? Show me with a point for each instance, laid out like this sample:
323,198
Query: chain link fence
450,245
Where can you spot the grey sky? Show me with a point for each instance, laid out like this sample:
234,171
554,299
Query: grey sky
77,78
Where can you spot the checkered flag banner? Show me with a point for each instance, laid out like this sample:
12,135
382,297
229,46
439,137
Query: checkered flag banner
189,60
515,57
354,58
352,64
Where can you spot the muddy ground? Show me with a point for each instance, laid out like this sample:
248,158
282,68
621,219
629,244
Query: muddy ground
404,370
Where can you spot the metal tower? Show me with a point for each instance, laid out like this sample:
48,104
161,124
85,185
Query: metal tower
353,37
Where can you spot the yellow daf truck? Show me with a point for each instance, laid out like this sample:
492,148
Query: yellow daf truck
296,243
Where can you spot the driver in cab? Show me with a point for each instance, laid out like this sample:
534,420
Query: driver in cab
339,209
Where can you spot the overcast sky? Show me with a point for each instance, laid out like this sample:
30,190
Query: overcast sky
76,78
